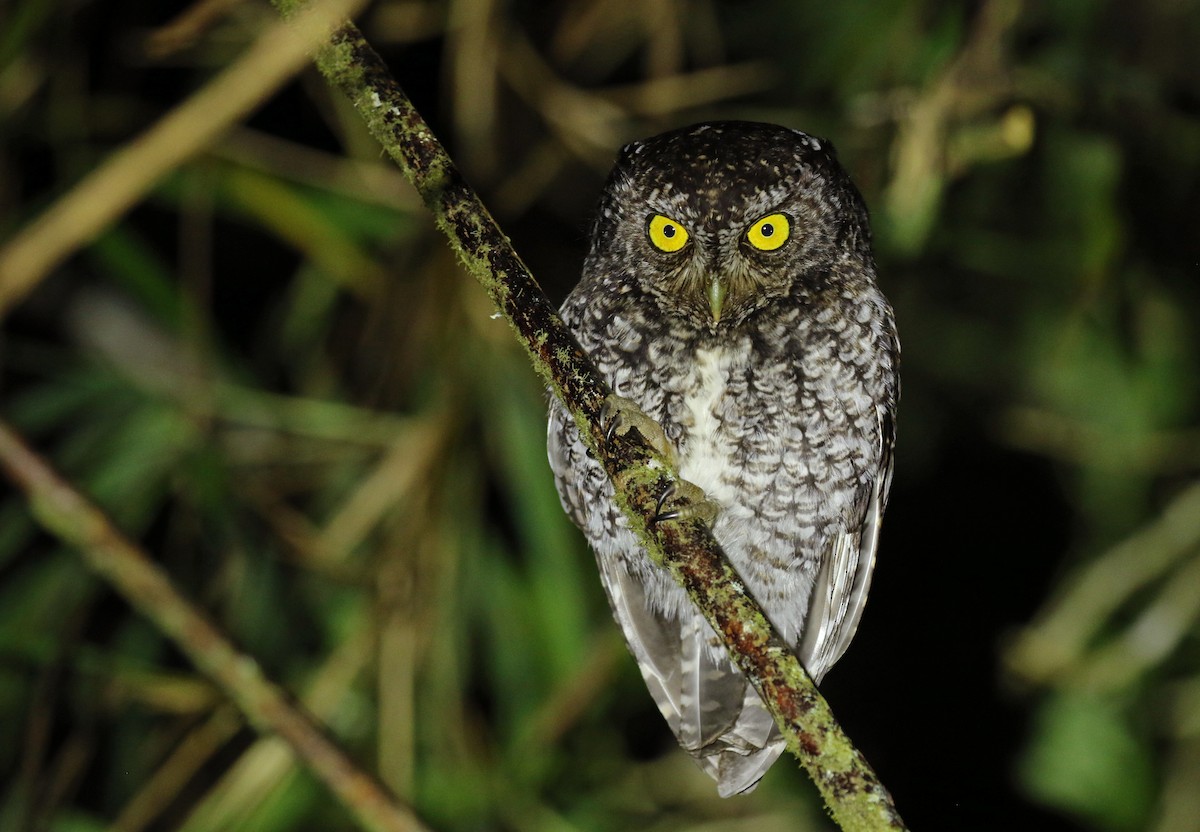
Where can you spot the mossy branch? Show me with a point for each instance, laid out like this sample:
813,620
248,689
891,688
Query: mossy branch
853,793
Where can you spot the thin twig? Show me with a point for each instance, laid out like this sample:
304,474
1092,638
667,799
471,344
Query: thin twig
125,177
1057,644
851,789
187,27
77,522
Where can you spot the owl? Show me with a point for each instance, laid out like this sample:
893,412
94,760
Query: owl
729,293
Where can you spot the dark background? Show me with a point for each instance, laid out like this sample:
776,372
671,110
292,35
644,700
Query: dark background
274,376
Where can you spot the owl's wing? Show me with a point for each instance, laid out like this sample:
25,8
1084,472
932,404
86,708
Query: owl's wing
569,462
840,592
711,708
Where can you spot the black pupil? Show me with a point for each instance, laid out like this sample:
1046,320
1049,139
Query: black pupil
768,230
668,231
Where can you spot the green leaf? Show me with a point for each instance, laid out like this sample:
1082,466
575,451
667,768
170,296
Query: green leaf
1085,758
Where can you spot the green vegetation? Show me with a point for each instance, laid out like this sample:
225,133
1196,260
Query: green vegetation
273,376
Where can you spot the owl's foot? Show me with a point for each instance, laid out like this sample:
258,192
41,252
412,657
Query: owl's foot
620,415
683,500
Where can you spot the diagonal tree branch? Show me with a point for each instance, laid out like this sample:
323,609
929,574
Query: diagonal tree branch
853,793
850,787
79,523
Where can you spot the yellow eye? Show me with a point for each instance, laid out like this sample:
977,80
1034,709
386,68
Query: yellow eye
666,234
769,233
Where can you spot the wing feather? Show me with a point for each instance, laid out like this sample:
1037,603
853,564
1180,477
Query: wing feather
713,711
840,592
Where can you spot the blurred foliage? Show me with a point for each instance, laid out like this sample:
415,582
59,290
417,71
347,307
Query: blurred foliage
273,375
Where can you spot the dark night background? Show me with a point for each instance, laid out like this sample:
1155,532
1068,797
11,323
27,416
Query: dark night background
274,376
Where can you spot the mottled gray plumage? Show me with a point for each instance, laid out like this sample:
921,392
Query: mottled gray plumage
776,385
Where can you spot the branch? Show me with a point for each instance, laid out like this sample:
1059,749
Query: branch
118,184
851,789
65,513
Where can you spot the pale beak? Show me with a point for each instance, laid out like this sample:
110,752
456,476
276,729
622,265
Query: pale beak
716,297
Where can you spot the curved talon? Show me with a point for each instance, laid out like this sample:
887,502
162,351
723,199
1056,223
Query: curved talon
660,515
693,504
609,419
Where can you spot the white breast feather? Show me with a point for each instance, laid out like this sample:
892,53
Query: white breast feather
705,455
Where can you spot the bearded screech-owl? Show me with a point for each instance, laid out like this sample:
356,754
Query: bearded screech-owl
730,294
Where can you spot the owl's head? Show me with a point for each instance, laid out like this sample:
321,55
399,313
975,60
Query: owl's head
716,220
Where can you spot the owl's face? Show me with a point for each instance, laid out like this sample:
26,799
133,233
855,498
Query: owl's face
716,220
